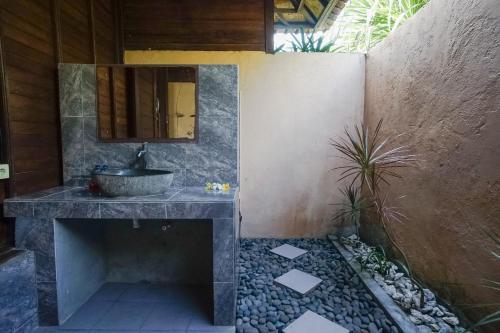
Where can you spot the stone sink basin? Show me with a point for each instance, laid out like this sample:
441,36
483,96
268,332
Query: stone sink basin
133,182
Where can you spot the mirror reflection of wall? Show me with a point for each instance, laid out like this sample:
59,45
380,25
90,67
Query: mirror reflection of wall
182,109
145,103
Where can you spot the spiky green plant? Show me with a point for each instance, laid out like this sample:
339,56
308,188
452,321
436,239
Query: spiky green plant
494,285
305,42
377,260
369,162
350,209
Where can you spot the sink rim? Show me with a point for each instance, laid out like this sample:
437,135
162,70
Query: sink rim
132,173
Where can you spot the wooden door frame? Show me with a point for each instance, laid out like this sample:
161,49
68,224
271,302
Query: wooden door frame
6,185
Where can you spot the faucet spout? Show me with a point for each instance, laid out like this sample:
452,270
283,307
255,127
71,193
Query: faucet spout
140,158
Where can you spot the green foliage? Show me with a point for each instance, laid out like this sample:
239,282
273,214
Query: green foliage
350,209
365,23
367,160
377,261
306,42
494,285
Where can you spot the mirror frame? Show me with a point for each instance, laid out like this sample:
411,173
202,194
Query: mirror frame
149,140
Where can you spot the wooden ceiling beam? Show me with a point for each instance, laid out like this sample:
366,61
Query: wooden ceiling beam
325,14
281,18
301,5
293,26
310,20
308,14
285,10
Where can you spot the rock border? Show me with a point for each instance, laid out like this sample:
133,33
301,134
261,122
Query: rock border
393,310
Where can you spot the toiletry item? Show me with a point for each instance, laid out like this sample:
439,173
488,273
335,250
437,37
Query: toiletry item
93,187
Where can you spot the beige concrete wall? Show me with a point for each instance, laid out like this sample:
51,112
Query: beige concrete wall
437,79
291,104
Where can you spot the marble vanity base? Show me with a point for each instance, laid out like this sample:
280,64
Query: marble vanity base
18,303
68,269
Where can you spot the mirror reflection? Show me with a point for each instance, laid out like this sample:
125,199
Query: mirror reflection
145,103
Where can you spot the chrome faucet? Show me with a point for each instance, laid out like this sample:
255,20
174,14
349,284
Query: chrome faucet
140,158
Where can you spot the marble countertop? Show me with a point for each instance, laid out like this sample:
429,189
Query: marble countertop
77,202
77,193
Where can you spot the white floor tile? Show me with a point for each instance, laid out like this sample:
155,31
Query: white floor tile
311,322
299,281
288,251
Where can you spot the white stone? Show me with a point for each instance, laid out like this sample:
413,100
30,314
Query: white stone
288,251
311,322
397,296
453,321
429,295
379,278
406,303
299,281
414,320
425,318
416,300
390,290
435,327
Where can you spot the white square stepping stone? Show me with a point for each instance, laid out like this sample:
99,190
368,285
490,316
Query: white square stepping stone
299,281
288,251
311,322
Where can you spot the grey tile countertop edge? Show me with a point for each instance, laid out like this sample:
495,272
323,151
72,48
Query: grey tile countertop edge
170,199
398,316
71,206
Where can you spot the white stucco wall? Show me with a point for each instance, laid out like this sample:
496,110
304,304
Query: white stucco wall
291,105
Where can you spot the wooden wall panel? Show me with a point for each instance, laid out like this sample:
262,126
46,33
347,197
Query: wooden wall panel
120,102
105,30
35,36
87,31
194,25
104,102
29,63
145,104
76,31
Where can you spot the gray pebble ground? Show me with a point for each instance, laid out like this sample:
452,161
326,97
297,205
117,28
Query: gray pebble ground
265,307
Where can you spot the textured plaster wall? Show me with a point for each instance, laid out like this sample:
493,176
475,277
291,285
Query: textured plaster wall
437,79
290,105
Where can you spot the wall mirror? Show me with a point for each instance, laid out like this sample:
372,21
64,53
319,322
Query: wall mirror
147,103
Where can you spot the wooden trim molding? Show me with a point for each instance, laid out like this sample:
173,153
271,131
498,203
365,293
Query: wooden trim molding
91,19
119,37
56,21
6,149
269,25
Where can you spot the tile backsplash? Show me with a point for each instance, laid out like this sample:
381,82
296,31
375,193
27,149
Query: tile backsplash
214,157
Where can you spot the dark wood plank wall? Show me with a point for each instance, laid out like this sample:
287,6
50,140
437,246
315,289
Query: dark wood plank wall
106,32
145,104
35,35
120,102
196,25
113,99
76,32
29,59
104,104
